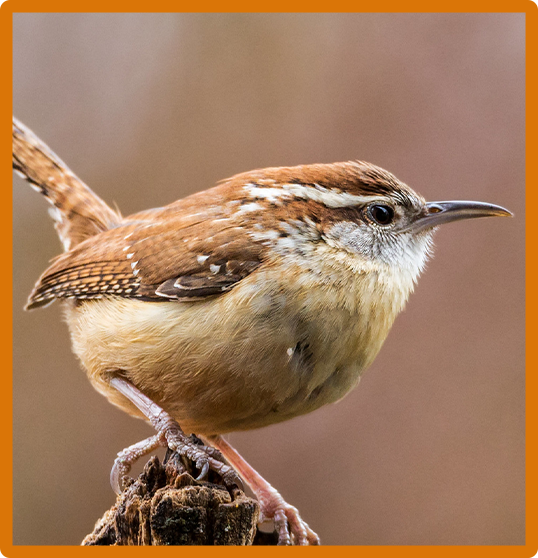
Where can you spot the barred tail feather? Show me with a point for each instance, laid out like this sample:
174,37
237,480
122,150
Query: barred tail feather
77,211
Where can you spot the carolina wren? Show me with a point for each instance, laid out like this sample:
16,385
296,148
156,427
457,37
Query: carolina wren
247,304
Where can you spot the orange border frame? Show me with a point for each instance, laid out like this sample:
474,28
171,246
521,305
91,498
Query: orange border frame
6,283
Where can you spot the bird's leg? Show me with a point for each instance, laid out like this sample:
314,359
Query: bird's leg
289,525
204,457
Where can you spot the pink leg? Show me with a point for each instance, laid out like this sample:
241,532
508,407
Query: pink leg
204,457
290,527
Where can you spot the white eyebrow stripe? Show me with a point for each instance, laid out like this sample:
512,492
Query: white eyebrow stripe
270,194
329,198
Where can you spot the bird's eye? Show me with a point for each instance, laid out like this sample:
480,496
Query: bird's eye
381,214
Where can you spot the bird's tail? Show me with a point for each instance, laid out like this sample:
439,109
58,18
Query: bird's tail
77,211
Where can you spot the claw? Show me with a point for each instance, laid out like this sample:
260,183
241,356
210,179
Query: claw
203,472
122,463
291,529
205,457
300,530
281,525
234,479
118,471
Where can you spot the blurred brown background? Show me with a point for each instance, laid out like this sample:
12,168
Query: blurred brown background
149,108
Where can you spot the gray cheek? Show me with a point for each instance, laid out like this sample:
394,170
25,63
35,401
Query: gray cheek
353,237
405,250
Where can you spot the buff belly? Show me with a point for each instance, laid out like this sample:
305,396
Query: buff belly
249,358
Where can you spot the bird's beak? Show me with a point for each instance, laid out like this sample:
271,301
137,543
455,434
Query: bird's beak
437,213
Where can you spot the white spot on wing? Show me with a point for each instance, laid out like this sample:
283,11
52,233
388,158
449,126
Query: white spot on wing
214,268
248,208
201,259
286,243
56,214
266,235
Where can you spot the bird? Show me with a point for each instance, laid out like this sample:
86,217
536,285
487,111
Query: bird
255,301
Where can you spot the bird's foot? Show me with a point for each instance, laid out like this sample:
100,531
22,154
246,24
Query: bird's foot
169,433
204,457
127,457
289,525
291,528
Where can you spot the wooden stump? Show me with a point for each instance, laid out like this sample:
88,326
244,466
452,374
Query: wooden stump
165,505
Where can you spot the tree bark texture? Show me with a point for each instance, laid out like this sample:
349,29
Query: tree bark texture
165,505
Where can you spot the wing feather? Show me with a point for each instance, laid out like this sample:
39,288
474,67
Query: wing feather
168,253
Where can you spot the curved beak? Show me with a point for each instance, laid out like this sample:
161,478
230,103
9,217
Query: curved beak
437,213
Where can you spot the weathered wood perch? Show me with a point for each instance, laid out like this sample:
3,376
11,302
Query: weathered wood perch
165,505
